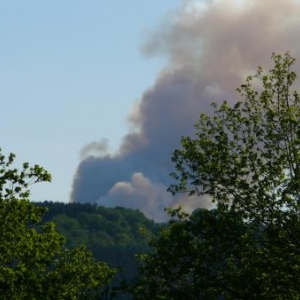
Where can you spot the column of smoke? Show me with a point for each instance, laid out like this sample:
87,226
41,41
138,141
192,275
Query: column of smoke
211,46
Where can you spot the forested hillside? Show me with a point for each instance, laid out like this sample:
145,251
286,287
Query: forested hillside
115,235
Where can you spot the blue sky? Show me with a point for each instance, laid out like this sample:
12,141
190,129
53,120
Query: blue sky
70,72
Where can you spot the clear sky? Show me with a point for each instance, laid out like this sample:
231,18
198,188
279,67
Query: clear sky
70,72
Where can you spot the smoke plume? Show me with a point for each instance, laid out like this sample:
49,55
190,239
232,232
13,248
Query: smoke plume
211,47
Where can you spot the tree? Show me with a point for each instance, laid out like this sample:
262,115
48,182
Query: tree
247,159
195,257
34,263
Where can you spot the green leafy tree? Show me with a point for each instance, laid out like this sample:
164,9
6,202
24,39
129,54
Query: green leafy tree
34,263
195,257
247,159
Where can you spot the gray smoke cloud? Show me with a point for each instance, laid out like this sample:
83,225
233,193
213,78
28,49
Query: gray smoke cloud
211,47
96,148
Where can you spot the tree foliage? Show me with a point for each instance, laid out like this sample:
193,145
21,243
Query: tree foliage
246,157
99,226
34,264
112,234
195,257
